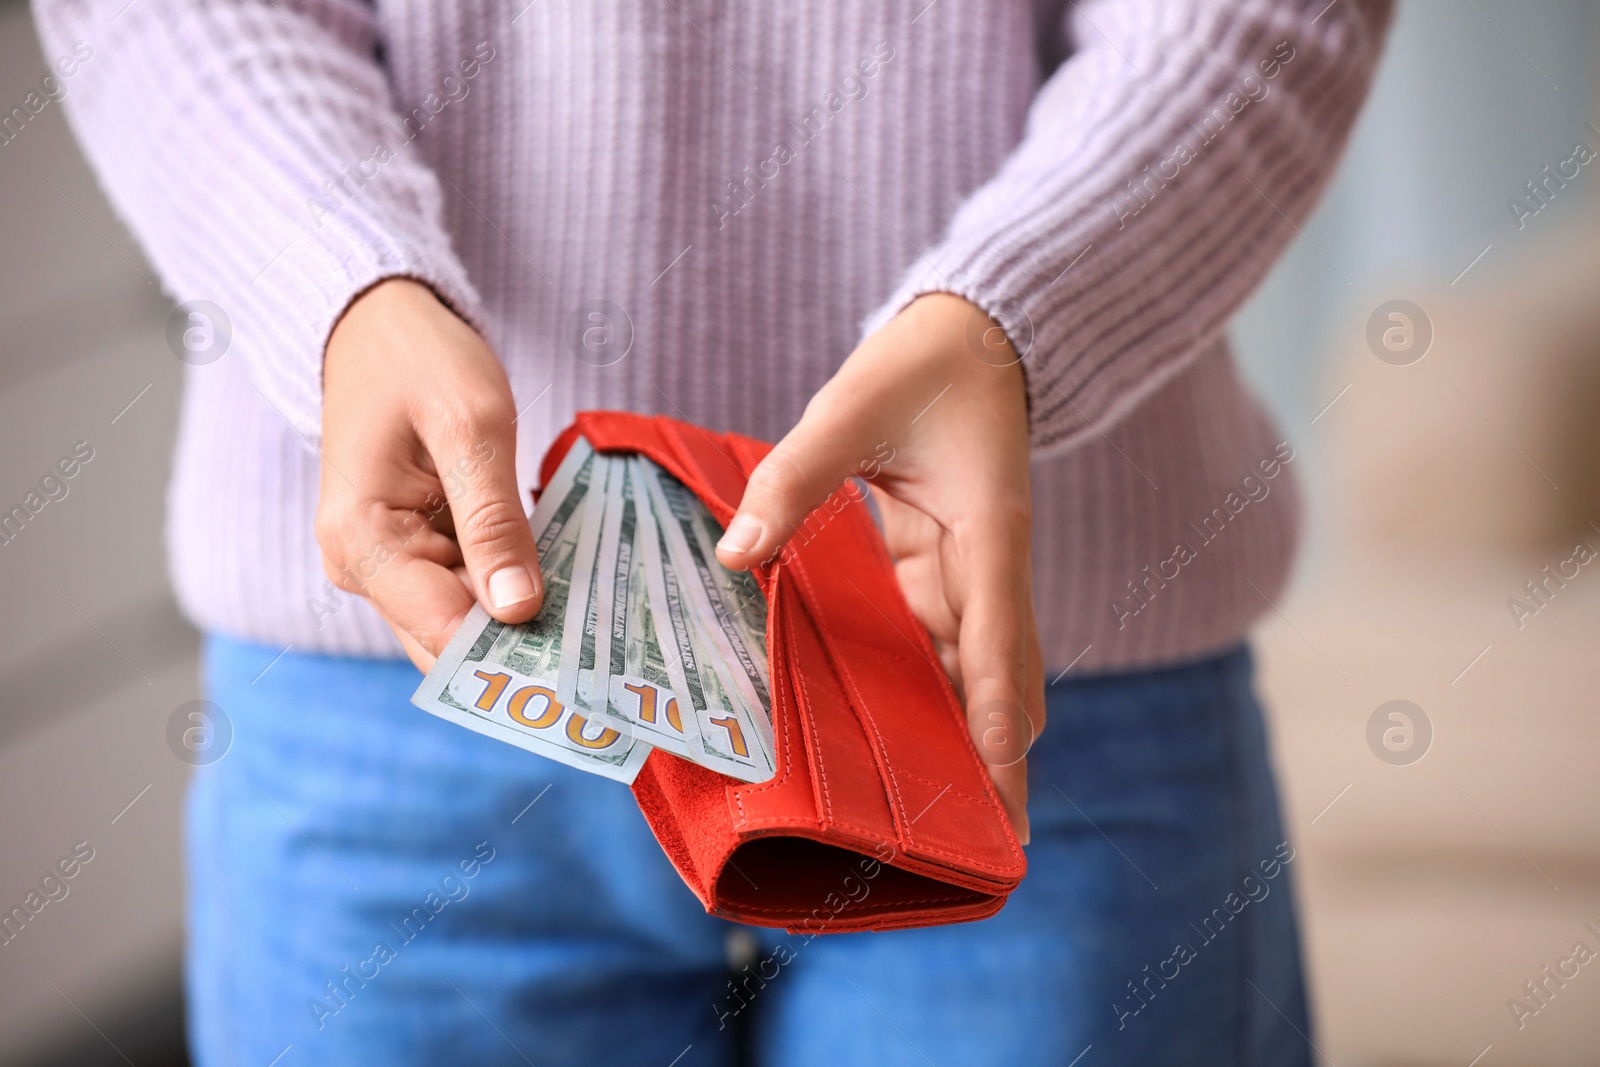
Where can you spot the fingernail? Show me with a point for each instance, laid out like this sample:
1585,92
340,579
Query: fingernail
510,585
741,535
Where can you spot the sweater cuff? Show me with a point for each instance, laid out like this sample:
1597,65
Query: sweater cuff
1138,212
315,280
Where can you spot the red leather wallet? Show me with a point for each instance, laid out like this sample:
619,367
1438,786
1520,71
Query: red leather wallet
881,815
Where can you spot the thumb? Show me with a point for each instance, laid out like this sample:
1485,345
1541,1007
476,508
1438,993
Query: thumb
802,471
480,482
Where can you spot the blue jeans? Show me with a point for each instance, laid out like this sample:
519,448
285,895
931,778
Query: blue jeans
371,885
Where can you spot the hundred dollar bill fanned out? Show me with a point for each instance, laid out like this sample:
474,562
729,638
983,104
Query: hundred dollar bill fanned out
501,680
643,640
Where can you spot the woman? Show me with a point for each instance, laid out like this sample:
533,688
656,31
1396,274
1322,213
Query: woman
432,232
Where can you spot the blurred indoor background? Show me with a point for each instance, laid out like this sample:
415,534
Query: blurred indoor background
1446,857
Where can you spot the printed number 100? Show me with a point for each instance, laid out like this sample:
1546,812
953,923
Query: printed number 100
541,716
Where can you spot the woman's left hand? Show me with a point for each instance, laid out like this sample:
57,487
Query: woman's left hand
943,387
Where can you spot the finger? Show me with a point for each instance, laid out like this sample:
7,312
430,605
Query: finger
949,654
1011,782
803,470
1001,667
420,599
478,470
907,530
921,581
420,657
408,532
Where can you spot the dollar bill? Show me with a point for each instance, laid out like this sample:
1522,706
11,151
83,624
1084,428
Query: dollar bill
611,556
628,659
580,624
501,680
724,735
737,638
728,739
643,639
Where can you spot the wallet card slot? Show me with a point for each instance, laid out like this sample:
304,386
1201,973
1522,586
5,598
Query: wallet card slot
900,694
845,770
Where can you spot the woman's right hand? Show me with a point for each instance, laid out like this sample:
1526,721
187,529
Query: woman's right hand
419,508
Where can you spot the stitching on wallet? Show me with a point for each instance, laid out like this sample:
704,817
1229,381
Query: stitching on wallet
965,895
849,679
929,845
951,791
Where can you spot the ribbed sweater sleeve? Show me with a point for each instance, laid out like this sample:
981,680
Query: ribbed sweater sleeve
241,143
1163,168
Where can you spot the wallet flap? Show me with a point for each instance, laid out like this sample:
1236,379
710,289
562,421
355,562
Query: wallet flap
705,462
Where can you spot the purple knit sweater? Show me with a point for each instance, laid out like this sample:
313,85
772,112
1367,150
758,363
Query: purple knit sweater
740,190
